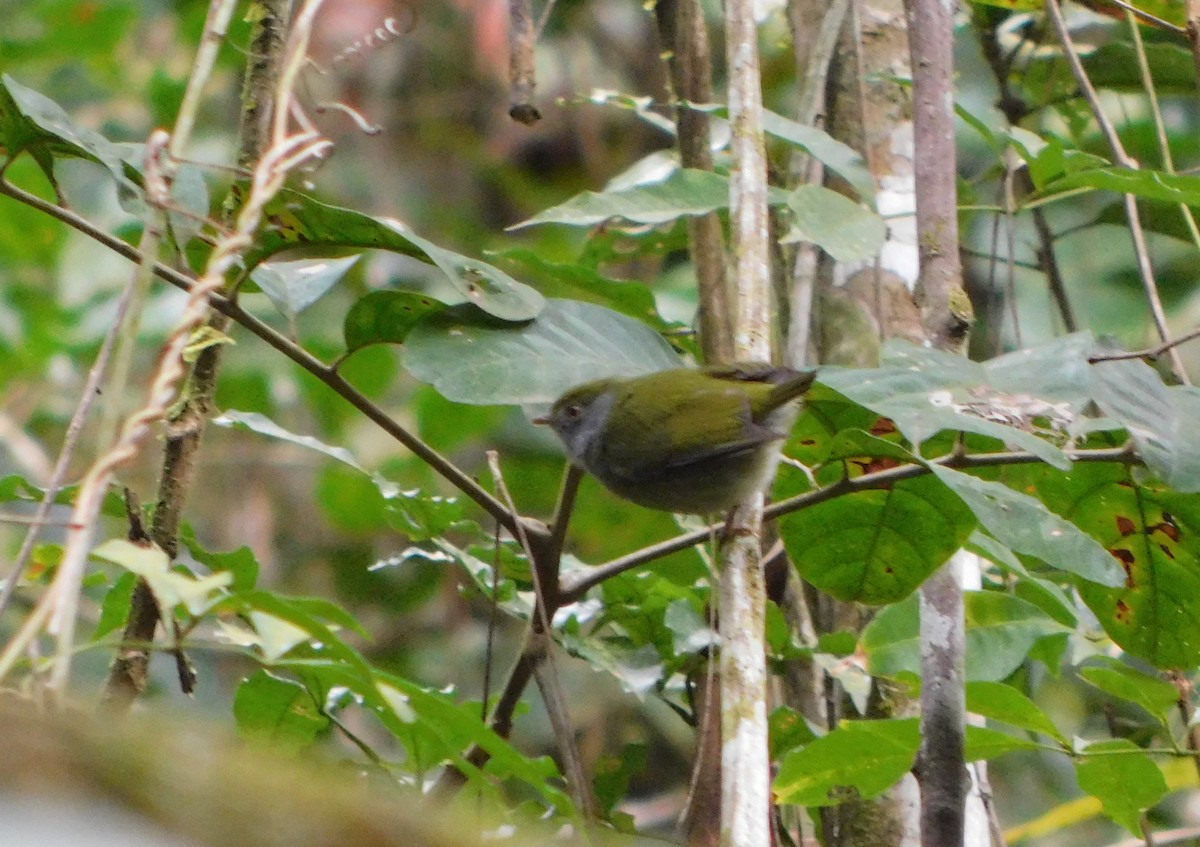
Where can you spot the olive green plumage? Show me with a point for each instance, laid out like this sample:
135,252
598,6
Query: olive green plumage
686,440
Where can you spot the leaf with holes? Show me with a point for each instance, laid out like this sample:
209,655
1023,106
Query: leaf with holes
1153,533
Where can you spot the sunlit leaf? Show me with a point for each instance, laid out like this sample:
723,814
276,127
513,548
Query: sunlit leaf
171,587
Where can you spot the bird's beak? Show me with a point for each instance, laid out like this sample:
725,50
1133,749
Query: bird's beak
540,421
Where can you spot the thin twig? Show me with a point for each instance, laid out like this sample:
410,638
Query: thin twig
1149,352
545,670
574,589
1146,16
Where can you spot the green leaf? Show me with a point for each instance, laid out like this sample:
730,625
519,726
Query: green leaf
1116,64
614,772
1160,420
471,359
788,730
1027,526
297,220
867,756
1156,696
985,743
877,546
638,669
294,286
31,122
1016,398
836,155
241,563
692,632
301,629
114,610
1146,183
171,587
839,226
276,636
386,317
1154,534
1126,785
685,192
1001,629
421,516
277,710
580,282
1000,702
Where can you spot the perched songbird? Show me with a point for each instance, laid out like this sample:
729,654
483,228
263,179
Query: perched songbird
686,440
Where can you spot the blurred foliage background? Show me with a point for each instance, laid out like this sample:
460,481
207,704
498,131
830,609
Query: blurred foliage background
450,163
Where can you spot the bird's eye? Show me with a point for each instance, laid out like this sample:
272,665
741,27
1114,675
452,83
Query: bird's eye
573,413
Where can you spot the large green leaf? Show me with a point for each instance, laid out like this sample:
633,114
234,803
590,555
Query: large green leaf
877,546
1146,183
1024,524
1161,420
385,317
1156,696
685,192
1023,399
470,358
280,711
842,228
580,282
33,123
1153,532
1000,702
836,155
867,756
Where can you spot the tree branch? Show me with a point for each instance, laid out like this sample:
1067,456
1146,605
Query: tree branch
323,372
